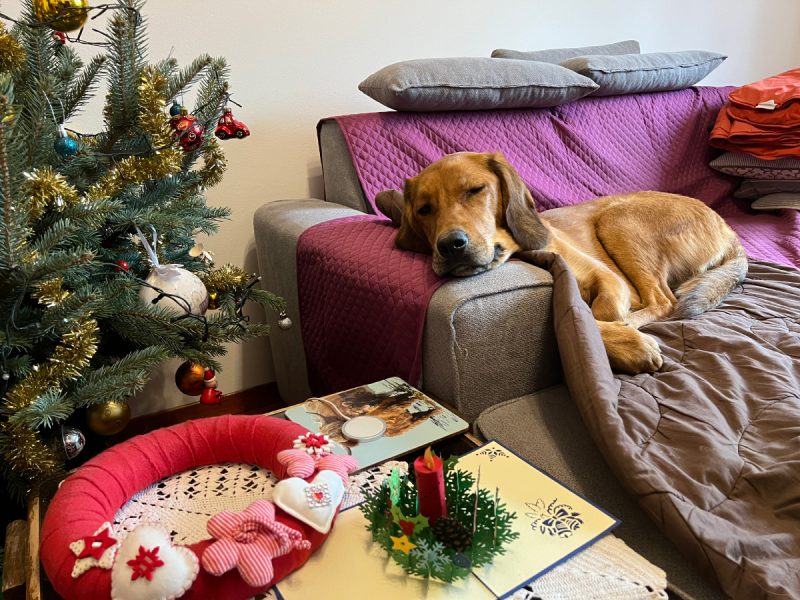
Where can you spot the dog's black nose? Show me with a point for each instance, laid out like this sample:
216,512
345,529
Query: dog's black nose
453,243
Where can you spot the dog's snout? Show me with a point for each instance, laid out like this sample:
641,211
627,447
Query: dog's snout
453,243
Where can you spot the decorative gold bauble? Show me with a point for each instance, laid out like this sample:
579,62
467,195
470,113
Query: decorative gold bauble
62,15
189,378
109,417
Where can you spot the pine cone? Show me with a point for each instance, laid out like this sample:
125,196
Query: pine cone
452,534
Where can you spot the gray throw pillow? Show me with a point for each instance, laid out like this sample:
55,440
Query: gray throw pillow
656,72
752,189
556,55
740,164
439,84
777,202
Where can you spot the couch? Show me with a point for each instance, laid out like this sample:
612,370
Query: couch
487,346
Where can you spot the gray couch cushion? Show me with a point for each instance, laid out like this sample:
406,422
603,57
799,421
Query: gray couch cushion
438,84
656,72
556,55
546,429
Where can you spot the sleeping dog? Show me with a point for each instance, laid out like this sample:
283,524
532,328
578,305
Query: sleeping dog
637,258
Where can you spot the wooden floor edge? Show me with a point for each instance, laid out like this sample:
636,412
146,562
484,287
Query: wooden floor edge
259,399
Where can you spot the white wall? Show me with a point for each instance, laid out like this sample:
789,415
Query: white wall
295,62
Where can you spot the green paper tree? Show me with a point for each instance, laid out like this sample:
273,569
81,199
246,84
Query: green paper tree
75,330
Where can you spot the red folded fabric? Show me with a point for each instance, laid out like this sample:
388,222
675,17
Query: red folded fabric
762,118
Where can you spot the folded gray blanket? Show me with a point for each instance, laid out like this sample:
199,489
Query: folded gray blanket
710,444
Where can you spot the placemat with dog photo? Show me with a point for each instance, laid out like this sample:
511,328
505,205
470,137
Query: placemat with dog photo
411,420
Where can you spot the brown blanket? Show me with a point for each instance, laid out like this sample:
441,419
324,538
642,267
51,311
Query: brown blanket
710,445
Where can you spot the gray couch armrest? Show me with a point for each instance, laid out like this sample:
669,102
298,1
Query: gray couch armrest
490,338
487,338
277,226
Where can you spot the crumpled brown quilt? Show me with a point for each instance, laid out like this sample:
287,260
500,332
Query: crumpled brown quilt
710,445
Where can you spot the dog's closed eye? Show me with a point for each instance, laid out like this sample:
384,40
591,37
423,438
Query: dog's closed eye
425,209
475,190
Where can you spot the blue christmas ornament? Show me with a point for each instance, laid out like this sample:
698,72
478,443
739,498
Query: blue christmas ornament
65,146
175,109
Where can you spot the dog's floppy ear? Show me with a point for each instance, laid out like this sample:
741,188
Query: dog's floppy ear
520,210
390,203
409,237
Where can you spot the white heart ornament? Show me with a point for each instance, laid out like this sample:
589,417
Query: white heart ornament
315,502
166,581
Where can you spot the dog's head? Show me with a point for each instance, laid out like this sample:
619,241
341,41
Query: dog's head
471,211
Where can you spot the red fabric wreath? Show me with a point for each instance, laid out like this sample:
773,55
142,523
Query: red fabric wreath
94,493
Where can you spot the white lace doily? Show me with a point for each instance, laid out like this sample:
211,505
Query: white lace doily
186,501
607,570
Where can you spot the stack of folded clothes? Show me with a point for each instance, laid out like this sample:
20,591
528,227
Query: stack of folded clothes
760,128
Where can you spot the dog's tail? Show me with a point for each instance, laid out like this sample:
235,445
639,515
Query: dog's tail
706,290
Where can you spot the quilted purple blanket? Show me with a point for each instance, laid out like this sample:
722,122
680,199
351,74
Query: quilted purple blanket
578,151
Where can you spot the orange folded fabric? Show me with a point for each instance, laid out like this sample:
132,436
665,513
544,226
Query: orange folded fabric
762,118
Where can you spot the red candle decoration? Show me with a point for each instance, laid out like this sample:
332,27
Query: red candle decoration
430,486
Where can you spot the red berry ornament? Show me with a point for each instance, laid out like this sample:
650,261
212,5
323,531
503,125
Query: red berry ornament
122,265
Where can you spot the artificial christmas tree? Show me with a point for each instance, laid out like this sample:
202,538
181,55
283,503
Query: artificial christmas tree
96,225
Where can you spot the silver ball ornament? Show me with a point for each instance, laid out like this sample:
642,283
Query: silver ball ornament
72,441
284,322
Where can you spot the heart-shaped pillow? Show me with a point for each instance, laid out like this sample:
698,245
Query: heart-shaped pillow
148,566
314,503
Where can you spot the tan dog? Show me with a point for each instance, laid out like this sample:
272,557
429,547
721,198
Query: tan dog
637,257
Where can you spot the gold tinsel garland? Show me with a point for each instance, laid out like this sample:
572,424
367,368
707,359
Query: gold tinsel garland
214,164
226,278
50,292
152,90
23,448
71,355
135,170
12,56
26,453
166,160
45,187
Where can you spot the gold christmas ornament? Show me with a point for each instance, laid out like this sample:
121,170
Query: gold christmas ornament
62,15
189,378
213,301
109,417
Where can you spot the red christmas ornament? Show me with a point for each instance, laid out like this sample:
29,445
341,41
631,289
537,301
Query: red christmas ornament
188,130
192,137
210,396
122,265
60,37
227,127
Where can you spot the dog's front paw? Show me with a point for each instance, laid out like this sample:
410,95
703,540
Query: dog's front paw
630,351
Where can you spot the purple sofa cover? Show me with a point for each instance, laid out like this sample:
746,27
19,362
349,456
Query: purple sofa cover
565,154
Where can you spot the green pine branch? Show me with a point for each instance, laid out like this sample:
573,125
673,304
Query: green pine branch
47,410
120,379
82,88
